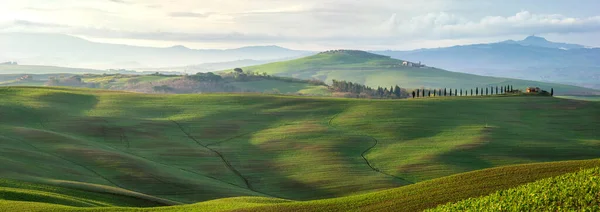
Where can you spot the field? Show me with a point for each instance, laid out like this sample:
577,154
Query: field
145,84
553,194
375,70
193,148
582,98
419,196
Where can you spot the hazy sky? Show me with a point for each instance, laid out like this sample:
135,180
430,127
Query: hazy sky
306,24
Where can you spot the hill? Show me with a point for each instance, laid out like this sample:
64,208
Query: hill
191,148
542,42
378,70
65,50
533,58
414,197
577,191
173,84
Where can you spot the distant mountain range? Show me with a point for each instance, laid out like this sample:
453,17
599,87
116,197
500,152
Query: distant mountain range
533,58
65,50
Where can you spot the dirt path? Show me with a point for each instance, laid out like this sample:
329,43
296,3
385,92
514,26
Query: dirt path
375,142
227,163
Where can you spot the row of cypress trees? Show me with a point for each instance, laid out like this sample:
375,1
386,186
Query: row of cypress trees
486,91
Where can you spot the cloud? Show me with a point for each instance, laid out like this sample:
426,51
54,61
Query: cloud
444,25
118,1
189,15
341,22
32,24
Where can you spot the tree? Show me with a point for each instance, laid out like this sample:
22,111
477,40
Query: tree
423,93
551,91
450,92
413,94
238,70
497,90
428,93
397,91
486,91
455,92
440,92
445,92
461,92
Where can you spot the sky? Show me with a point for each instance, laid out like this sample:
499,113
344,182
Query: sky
306,24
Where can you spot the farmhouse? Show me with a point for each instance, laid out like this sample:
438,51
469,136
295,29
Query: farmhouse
533,90
411,64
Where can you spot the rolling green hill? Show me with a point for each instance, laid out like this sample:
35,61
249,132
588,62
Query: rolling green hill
175,83
576,191
192,148
377,70
416,197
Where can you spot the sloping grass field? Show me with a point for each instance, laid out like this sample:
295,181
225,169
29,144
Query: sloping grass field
576,191
267,149
429,194
377,70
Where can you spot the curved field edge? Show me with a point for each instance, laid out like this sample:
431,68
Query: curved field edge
429,194
415,197
579,191
78,194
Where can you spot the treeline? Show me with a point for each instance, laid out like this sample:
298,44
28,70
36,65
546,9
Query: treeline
240,75
72,81
478,91
362,91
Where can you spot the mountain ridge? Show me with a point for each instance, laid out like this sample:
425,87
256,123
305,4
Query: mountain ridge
43,49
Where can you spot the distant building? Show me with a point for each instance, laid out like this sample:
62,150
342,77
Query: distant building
411,64
533,90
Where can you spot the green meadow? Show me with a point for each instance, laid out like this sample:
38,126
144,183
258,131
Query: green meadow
69,149
377,70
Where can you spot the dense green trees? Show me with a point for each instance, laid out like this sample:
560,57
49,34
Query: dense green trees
364,91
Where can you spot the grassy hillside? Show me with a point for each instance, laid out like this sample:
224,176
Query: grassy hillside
576,191
414,197
582,98
376,70
175,83
190,148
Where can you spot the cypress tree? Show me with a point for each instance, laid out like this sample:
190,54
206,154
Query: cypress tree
455,92
551,91
496,90
450,91
398,91
476,91
413,94
471,91
445,92
440,92
418,92
461,92
423,93
486,91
